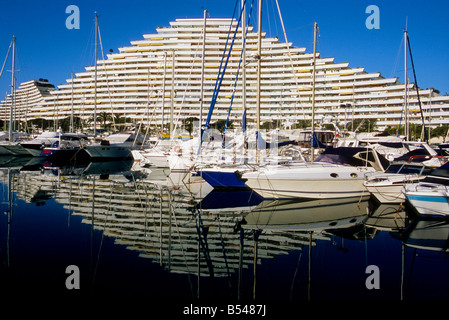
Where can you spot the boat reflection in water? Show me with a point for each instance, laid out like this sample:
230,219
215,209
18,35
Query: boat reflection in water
162,235
310,215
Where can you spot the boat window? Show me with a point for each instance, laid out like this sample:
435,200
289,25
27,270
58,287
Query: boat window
354,175
334,175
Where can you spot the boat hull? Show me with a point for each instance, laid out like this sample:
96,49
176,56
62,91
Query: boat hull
387,193
105,152
309,182
387,188
223,178
64,155
13,149
428,199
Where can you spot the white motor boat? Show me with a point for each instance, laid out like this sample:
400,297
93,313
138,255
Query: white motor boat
386,187
114,146
430,197
40,142
337,173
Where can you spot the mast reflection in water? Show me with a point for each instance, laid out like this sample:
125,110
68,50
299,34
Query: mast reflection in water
167,235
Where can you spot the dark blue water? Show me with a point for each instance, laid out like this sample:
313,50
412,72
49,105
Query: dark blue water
134,237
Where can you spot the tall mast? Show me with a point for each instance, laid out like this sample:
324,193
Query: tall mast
163,92
71,115
313,86
405,86
259,58
95,98
172,94
244,65
13,88
202,73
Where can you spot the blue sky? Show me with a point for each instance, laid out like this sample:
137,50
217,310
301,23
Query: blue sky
47,49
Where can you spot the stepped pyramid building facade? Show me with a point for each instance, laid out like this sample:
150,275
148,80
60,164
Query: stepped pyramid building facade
164,75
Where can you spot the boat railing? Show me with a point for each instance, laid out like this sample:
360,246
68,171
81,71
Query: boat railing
444,158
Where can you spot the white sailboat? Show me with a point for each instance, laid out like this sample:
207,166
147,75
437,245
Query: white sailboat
117,145
413,160
10,146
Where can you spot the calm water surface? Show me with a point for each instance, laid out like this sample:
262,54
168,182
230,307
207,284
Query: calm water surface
141,233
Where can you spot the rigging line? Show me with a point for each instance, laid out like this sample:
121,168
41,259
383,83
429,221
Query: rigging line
294,274
302,27
267,11
398,55
403,111
87,54
412,266
178,116
222,68
223,248
203,243
288,46
221,74
106,75
181,242
237,74
275,21
102,235
7,54
416,85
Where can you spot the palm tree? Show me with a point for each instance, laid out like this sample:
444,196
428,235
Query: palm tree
104,117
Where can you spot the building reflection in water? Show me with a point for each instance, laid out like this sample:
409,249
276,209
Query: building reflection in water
178,222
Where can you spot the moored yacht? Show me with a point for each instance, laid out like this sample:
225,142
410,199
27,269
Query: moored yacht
430,197
13,148
115,146
68,147
336,173
386,187
41,141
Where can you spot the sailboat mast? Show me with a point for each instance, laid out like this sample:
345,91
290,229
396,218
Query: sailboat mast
259,63
95,97
244,71
163,93
71,114
313,86
259,58
172,94
202,73
13,88
405,87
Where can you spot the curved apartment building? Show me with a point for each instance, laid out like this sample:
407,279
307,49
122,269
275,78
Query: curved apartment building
164,76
